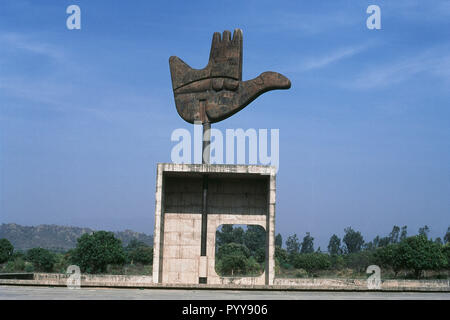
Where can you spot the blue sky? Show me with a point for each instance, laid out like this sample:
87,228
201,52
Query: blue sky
86,114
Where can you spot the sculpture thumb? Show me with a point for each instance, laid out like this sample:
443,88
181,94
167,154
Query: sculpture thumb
182,74
266,81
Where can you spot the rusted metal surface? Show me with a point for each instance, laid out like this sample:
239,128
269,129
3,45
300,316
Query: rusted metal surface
217,91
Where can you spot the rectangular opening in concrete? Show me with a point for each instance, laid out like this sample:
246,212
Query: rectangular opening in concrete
240,250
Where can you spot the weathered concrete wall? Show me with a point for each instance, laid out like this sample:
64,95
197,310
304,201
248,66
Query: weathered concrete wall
87,280
182,194
237,194
317,284
181,250
361,284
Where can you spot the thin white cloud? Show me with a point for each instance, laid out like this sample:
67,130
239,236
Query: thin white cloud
18,41
434,62
125,107
322,61
332,57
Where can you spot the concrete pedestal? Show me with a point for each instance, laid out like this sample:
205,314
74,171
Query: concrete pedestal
235,194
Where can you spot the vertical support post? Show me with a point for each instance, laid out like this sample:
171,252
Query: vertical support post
206,153
205,160
204,232
204,215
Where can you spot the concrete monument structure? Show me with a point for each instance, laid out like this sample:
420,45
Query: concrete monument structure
193,200
237,194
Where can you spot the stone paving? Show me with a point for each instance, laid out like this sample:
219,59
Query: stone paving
61,293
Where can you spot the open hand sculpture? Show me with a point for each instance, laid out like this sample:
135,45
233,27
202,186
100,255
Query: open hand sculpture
217,91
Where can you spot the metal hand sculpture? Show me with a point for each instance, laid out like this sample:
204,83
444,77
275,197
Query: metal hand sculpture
217,91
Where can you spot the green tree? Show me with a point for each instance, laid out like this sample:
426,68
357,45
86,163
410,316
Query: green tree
224,235
334,246
238,235
62,262
229,234
15,265
418,253
18,254
389,257
383,242
233,248
394,235
369,246
139,252
337,262
353,240
360,260
234,259
307,244
6,250
404,233
279,241
447,236
376,242
255,241
292,244
446,252
282,257
95,251
424,231
42,259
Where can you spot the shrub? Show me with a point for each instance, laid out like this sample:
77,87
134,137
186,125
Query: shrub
9,267
359,261
28,267
95,251
281,256
62,262
419,253
232,249
234,259
389,257
446,252
337,262
42,259
301,273
312,262
139,252
19,264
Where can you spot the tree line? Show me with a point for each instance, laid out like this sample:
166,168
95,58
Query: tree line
394,253
97,252
241,252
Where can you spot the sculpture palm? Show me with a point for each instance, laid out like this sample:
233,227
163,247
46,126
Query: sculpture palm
217,91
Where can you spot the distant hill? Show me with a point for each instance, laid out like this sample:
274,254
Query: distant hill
57,238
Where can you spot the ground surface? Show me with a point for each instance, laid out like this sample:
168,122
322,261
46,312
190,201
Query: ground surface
60,293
